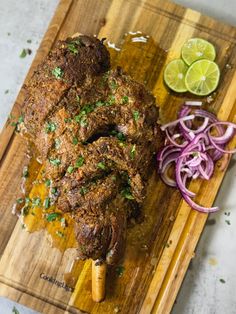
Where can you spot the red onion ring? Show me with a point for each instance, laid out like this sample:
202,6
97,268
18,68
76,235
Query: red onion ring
195,156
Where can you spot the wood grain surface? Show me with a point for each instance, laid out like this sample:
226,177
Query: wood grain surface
155,262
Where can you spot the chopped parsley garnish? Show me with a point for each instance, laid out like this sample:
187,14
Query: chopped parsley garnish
54,190
113,178
55,162
126,193
23,53
25,172
75,140
60,234
29,41
57,72
20,200
63,222
50,127
47,182
120,270
222,280
135,115
36,201
101,165
83,190
14,310
20,119
111,100
125,99
53,216
6,91
133,151
67,120
78,98
113,84
81,118
70,169
121,137
47,202
79,162
57,143
72,48
99,103
228,222
27,200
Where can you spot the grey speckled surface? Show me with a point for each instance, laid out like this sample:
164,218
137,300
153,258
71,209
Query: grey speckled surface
202,291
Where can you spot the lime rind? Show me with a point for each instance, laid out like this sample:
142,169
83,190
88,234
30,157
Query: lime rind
197,49
202,77
174,75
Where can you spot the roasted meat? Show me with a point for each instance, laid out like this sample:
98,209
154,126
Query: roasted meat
95,129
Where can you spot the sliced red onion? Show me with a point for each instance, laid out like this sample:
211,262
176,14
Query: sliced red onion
163,127
193,103
195,156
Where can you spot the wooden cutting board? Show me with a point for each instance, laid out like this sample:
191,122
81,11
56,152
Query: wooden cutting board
31,271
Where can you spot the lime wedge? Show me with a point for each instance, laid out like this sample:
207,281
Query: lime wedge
174,75
202,77
196,49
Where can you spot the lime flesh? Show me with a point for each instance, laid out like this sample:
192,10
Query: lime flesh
202,77
196,49
174,75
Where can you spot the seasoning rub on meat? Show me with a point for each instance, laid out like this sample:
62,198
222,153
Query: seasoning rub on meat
95,129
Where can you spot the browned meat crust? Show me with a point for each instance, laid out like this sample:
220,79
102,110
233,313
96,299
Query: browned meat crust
96,132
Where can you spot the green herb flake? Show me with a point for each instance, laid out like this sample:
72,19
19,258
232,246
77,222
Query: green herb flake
50,127
121,137
113,84
25,210
27,200
60,234
54,190
135,115
68,120
79,162
133,151
29,41
228,222
83,190
32,213
99,103
25,172
47,182
125,99
72,48
47,202
53,216
126,193
36,201
14,310
101,165
222,280
120,270
6,91
113,178
23,53
78,98
57,72
20,200
75,140
70,169
55,162
63,222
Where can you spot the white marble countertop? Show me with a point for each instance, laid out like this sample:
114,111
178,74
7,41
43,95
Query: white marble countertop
210,284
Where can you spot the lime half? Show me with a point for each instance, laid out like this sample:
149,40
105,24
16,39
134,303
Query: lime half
202,77
196,48
174,75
